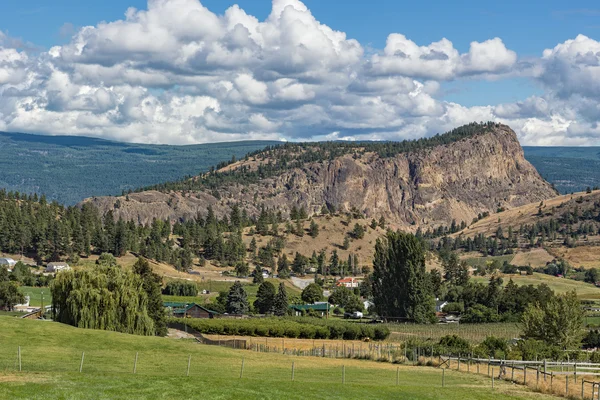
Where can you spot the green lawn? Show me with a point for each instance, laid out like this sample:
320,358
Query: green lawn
35,294
217,286
559,285
51,362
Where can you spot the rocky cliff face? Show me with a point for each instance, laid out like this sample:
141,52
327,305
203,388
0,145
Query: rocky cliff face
426,188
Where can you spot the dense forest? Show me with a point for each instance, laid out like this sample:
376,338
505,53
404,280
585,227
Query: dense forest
51,232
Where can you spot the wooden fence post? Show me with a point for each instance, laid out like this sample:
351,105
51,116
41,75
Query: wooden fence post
189,363
293,370
343,374
567,385
81,365
443,377
397,376
551,380
524,374
242,370
537,376
135,362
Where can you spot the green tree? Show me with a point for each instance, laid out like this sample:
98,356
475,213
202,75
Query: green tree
152,284
353,304
401,287
346,244
265,296
280,303
313,229
312,293
237,299
257,275
104,297
299,264
557,322
10,295
283,267
358,232
340,296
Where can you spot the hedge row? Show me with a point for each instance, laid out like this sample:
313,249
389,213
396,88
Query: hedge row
282,327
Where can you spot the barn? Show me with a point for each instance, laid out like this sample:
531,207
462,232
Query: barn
189,310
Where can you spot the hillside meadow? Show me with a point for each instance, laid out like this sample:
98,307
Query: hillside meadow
50,369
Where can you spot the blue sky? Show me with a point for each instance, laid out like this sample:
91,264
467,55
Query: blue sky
525,28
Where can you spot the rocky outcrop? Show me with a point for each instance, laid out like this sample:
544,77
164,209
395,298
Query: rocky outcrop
425,188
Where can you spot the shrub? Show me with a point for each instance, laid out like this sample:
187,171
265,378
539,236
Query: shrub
306,327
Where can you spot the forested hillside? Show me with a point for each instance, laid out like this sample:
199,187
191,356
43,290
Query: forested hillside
69,168
569,169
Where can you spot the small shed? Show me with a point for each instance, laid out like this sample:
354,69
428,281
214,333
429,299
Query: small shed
189,310
57,266
322,308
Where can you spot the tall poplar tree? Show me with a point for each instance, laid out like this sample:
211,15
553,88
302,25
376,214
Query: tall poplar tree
401,287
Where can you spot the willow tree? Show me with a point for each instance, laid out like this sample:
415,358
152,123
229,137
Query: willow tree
401,286
104,297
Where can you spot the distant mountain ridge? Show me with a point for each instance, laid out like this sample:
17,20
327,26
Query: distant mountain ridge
410,185
70,168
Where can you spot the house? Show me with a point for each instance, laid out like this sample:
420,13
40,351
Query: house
265,273
57,266
348,282
9,263
189,310
321,308
439,305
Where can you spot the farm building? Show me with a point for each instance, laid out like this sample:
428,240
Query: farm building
57,266
348,282
321,308
9,263
189,310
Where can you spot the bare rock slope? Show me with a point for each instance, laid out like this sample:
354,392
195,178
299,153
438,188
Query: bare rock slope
430,187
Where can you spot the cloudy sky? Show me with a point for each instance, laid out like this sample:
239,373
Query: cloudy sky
186,71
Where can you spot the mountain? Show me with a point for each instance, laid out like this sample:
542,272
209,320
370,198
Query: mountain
471,170
569,169
69,168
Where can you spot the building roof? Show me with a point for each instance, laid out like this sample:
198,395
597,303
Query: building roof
320,306
347,280
184,307
57,264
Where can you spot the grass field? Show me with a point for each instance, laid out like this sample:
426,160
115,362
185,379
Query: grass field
51,362
585,291
35,295
217,286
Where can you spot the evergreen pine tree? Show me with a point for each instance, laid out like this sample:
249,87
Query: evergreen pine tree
237,299
280,302
265,296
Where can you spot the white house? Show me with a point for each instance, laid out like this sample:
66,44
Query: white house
9,263
57,266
